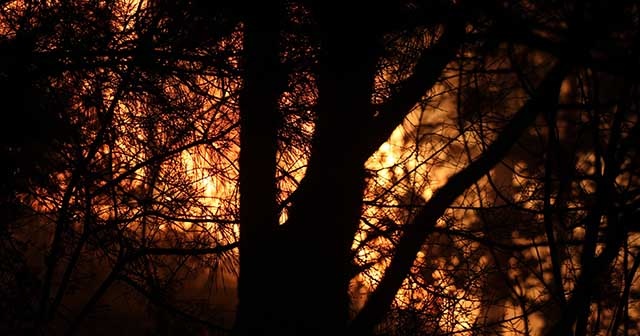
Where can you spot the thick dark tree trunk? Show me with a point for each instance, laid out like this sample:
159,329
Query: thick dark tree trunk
305,291
259,120
326,212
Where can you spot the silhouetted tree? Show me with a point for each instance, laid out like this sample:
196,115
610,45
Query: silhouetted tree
108,98
415,167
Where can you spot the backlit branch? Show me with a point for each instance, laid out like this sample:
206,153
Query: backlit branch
187,251
417,231
408,92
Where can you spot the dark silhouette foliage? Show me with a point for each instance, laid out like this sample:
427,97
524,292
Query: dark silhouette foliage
318,167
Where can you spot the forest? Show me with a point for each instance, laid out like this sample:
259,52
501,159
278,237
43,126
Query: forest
309,167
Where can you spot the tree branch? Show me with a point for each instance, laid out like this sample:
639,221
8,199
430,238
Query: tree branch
417,231
426,73
169,307
187,251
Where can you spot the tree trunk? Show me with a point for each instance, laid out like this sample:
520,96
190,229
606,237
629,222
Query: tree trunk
259,120
316,242
305,290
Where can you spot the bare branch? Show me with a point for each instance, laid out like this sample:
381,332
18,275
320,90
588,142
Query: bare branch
418,230
187,251
426,73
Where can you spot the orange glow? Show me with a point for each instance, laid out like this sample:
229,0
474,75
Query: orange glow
165,174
